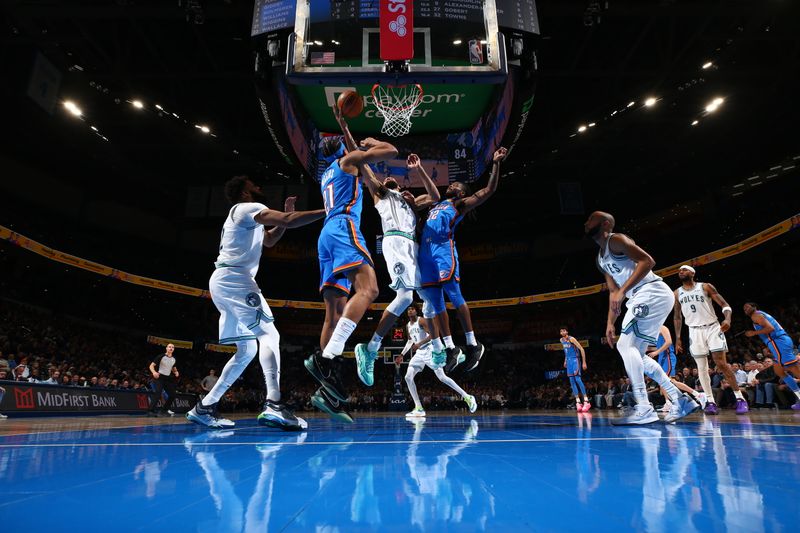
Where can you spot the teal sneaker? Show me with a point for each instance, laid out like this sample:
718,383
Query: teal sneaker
439,359
471,403
365,362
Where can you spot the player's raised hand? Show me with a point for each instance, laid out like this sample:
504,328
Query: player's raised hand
412,161
369,142
499,155
288,205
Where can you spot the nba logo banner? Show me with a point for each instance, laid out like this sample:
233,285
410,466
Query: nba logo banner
397,30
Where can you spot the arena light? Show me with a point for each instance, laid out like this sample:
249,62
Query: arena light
457,41
592,124
714,105
159,107
695,122
137,104
93,128
581,128
72,108
204,129
650,102
631,104
707,65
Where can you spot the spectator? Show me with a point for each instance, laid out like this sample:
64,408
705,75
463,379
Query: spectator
741,375
209,381
4,363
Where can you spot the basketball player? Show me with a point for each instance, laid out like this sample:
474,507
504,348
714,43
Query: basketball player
419,334
664,353
438,261
399,222
574,364
779,343
245,318
693,300
344,263
628,273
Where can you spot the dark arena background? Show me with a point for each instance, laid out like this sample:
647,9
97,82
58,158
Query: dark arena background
122,123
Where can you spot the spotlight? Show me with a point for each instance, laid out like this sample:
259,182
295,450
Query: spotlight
581,128
137,104
631,104
714,105
457,41
592,124
650,102
159,107
204,129
707,65
695,122
72,108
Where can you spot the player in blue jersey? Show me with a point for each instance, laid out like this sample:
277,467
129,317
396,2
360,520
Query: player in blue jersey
574,363
438,261
664,353
344,262
779,343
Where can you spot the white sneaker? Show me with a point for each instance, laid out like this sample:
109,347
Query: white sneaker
208,416
3,417
418,412
667,407
703,399
471,403
170,413
684,407
642,414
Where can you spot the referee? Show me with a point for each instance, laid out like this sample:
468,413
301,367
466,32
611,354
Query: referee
165,373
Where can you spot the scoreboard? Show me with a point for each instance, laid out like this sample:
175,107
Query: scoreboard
272,15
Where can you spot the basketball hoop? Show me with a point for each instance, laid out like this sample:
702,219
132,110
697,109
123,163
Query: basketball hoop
397,104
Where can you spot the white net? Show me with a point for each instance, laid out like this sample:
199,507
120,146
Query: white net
397,104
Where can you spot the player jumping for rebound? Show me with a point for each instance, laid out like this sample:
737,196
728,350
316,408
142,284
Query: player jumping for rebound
344,262
628,272
693,300
438,262
245,318
399,222
420,345
779,343
573,363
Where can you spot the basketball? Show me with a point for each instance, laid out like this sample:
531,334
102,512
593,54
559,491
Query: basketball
350,104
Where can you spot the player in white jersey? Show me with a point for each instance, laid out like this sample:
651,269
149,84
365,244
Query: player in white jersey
245,318
694,300
397,210
628,272
419,343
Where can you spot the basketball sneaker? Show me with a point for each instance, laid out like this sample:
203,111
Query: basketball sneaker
741,406
277,415
418,412
325,402
586,407
678,410
365,362
642,414
439,359
454,358
324,371
702,399
711,409
471,403
208,416
796,405
474,354
667,406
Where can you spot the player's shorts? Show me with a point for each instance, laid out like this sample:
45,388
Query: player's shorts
400,251
573,367
340,248
648,307
783,350
704,340
243,310
422,358
668,362
438,263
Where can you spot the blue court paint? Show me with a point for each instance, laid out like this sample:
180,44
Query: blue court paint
454,473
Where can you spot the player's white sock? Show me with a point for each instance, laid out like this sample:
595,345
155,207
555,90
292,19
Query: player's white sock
657,374
245,352
634,367
344,328
705,379
375,344
470,335
448,342
269,355
412,387
797,393
738,395
447,380
437,345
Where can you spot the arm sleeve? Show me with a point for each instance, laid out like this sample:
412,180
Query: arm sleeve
243,214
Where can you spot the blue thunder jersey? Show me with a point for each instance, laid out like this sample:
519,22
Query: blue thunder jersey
341,193
779,331
660,342
441,223
569,349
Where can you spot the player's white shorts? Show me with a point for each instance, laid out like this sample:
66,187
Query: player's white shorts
422,358
243,310
706,339
649,306
401,260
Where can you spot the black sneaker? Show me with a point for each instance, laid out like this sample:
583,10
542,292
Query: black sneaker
328,404
474,354
324,371
278,415
454,358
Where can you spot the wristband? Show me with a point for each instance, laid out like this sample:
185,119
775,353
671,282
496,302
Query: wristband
727,308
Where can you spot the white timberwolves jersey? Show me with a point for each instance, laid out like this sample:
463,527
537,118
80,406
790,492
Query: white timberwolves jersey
396,214
620,268
242,238
416,334
697,307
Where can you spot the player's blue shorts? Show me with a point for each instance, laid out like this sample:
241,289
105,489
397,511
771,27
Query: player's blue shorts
340,248
573,367
438,263
782,350
668,362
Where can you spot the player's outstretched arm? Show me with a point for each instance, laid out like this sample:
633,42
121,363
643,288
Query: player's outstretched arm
377,189
727,312
414,164
468,204
272,236
349,141
375,152
273,217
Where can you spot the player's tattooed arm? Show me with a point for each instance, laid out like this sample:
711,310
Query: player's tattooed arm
727,312
621,244
273,235
468,204
273,217
413,163
677,320
611,331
